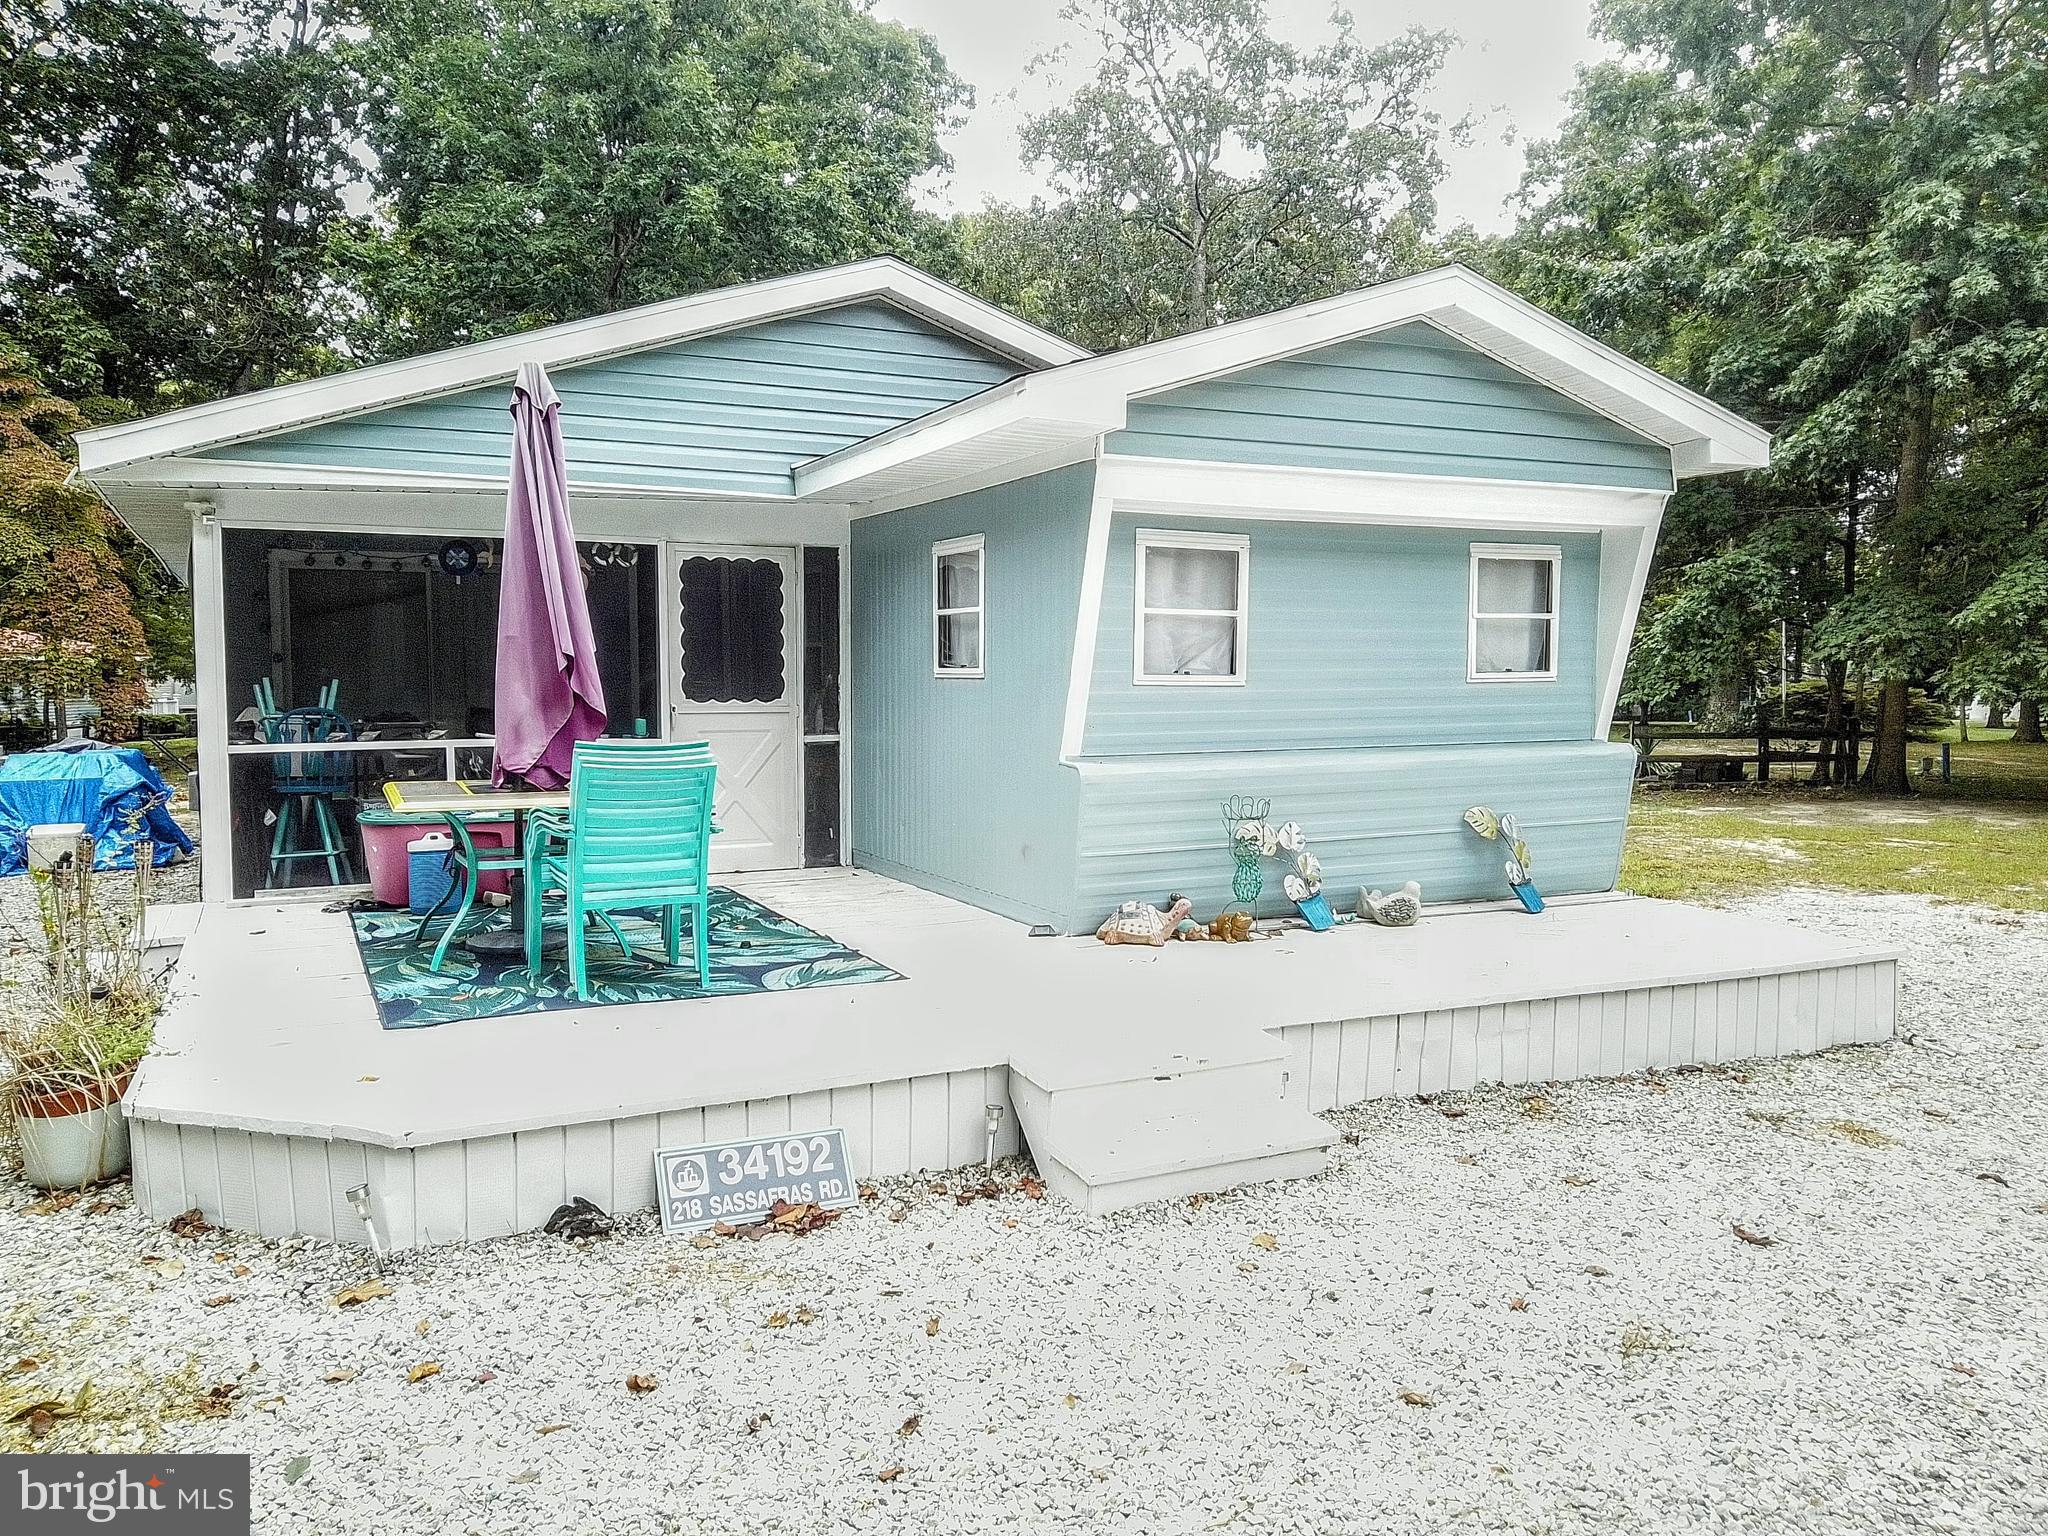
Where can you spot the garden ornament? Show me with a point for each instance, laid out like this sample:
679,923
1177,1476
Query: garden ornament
1139,922
1398,909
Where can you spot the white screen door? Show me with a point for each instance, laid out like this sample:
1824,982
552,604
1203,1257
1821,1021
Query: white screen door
732,669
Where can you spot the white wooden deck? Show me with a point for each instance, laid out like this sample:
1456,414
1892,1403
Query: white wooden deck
1134,1072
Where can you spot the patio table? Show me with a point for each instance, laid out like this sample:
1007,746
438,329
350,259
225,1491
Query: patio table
455,802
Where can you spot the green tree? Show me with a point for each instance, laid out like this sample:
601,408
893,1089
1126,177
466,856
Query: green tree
1830,214
540,160
172,178
68,627
1207,171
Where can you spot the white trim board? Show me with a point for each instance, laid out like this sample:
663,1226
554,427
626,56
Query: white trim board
1208,488
577,341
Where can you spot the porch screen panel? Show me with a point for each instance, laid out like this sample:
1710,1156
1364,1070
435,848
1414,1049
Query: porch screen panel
733,622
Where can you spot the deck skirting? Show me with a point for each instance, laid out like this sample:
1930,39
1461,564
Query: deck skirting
1592,1034
493,1186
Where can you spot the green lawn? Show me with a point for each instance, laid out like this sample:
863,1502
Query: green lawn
1982,838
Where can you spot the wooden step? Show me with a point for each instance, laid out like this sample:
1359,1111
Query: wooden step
1116,1165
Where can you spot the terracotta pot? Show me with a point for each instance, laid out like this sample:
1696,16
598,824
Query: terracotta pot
75,1136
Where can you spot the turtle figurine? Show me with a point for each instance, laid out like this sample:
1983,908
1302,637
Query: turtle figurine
1392,909
1139,922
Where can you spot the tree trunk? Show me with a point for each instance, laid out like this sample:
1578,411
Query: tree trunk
1994,716
1724,703
2026,724
1834,729
1888,774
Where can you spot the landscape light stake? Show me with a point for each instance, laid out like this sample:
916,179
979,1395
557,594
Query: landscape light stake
994,1112
358,1197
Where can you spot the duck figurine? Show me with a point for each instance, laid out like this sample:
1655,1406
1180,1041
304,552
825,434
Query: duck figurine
1397,909
1139,922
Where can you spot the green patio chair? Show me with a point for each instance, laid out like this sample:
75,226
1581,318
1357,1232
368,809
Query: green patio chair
637,836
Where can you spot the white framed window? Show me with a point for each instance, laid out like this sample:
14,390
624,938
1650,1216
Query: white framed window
1512,630
959,580
1193,600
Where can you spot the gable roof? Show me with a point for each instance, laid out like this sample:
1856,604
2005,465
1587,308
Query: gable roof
289,406
1034,414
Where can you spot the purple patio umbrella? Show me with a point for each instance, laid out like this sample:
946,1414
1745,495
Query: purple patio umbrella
549,696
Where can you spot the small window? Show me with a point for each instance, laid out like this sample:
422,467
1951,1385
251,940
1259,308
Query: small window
1513,613
957,587
1191,606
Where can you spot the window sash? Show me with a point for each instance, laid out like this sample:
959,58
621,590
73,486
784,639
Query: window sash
1477,615
968,618
1235,545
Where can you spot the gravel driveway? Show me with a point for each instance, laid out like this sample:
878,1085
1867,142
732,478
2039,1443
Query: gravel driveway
1500,1311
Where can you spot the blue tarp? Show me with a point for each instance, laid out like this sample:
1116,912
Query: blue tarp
114,791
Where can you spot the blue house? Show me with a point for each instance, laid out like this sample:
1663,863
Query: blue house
959,603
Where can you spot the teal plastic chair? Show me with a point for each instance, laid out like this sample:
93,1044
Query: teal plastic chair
637,836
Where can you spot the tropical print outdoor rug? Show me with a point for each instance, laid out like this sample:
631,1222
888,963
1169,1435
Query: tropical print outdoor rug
752,950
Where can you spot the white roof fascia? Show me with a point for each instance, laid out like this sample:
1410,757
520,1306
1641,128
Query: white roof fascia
577,341
1093,393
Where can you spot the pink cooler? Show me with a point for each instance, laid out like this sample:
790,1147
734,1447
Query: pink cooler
386,833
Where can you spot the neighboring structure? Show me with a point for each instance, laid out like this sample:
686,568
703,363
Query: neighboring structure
957,602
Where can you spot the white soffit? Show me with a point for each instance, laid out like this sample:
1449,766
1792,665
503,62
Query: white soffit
290,406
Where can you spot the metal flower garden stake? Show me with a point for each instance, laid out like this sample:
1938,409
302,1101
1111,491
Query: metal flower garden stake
1254,838
1504,829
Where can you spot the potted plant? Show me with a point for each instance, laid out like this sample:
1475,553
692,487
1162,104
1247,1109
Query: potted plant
70,1045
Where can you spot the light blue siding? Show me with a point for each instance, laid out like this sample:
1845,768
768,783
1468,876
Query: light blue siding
731,412
1357,639
957,784
1374,818
1410,400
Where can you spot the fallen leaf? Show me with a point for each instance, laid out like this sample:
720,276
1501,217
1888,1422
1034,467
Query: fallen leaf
219,1400
170,1269
931,1327
366,1079
1032,1188
356,1295
423,1370
549,1429
1468,1159
1011,1223
777,1320
888,1474
701,1240
1598,1271
341,1373
528,1476
1415,1399
804,1315
1297,1368
50,1205
1754,1239
869,1192
1518,1303
269,1404
1995,1178
898,1212
758,1422
1964,1370
297,1468
1863,1135
637,1383
217,1301
28,1363
724,1228
1537,1107
1247,1268
1452,1111
1073,1401
423,1327
1265,1240
1578,1180
240,1271
483,1378
1936,1114
41,1421
192,1223
910,1426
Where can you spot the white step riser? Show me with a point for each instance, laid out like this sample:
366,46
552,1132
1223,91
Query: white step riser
1101,1199
1222,1092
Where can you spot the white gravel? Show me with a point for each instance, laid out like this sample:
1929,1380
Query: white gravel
1879,1366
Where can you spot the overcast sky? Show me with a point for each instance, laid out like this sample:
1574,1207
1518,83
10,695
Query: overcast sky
1511,75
